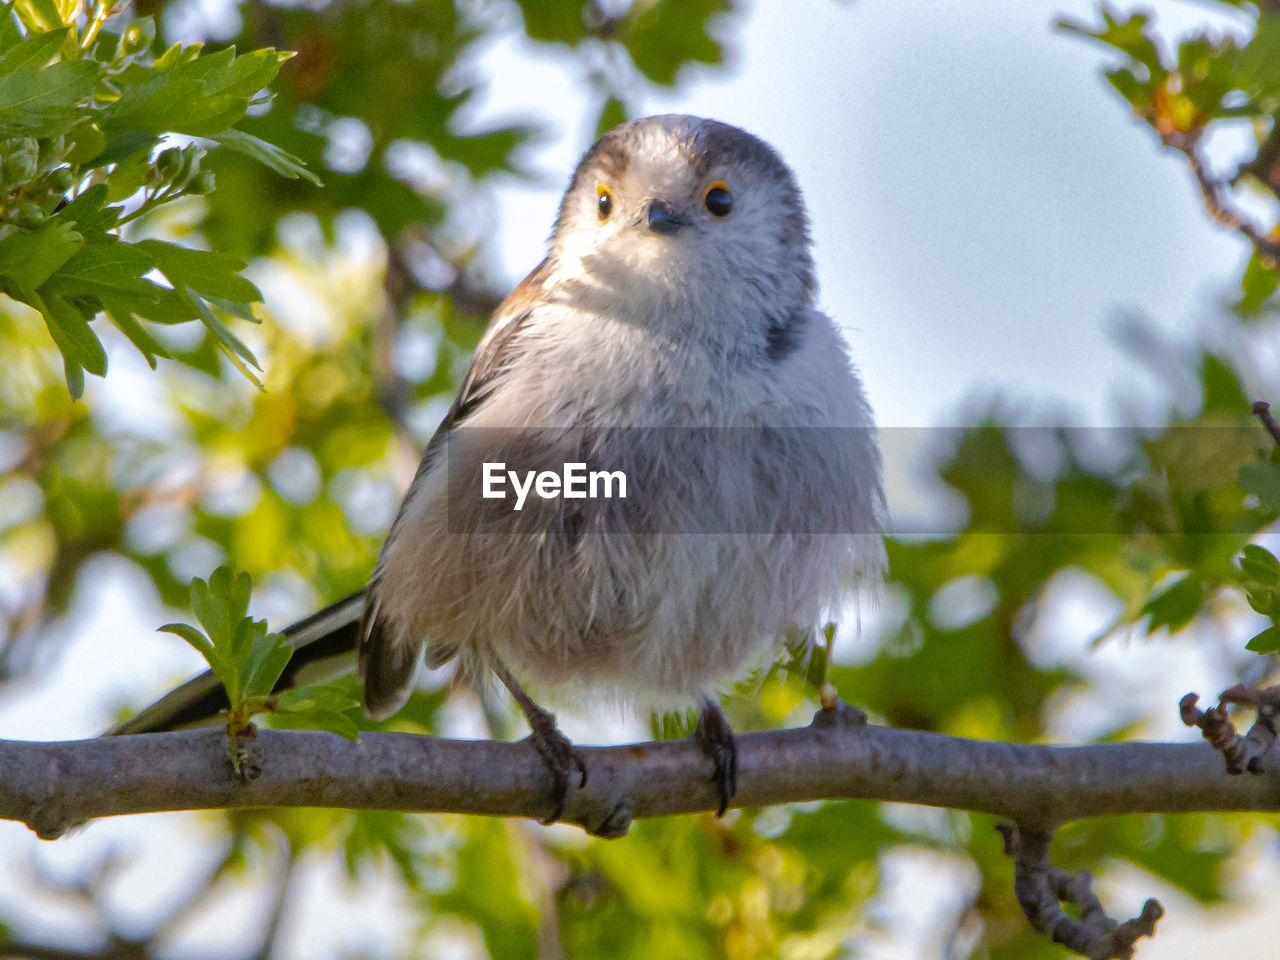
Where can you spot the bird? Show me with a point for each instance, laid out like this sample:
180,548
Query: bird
671,337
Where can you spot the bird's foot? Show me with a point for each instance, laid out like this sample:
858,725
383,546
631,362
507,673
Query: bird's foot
715,737
559,755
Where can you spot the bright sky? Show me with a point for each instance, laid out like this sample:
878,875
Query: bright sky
983,206
984,209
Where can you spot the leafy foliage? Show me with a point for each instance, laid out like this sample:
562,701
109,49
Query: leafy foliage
248,661
83,125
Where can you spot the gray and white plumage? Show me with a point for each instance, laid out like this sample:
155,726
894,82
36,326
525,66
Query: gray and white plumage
660,317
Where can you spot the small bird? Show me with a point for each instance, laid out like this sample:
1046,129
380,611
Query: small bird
671,338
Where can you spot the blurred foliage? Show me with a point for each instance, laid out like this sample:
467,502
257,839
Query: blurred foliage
378,289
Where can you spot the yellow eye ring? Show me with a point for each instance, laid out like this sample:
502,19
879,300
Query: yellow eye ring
717,198
604,200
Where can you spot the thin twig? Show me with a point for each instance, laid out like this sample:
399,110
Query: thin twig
1241,753
1216,194
1042,889
1262,410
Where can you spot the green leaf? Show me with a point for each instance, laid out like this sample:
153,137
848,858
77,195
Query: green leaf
612,113
1263,481
554,20
75,377
268,657
111,267
210,274
268,154
34,52
1260,564
38,15
122,146
30,257
121,314
71,332
89,214
321,706
1258,64
201,95
44,101
1262,599
193,637
664,35
337,723
1267,641
334,697
1175,606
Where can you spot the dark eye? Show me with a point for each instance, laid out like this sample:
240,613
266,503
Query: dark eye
718,199
604,201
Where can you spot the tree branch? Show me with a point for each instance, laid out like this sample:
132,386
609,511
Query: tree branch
51,786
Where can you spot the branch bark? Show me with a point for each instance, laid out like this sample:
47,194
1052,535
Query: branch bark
51,786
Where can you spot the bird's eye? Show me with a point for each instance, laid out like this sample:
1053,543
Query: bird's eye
718,199
604,201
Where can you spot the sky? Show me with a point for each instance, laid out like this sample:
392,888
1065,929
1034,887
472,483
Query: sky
984,208
985,211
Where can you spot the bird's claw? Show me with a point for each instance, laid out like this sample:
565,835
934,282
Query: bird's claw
560,757
716,739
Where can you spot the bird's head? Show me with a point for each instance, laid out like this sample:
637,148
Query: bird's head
680,211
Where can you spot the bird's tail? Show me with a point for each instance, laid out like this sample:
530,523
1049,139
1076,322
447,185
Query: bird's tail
324,646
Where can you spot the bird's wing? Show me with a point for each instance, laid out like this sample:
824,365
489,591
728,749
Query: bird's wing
388,662
326,642
491,357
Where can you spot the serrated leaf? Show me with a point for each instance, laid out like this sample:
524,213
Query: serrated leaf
179,54
30,257
207,273
121,314
192,93
71,332
36,100
268,154
89,215
235,349
664,35
111,267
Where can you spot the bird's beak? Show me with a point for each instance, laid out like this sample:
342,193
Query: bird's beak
662,219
